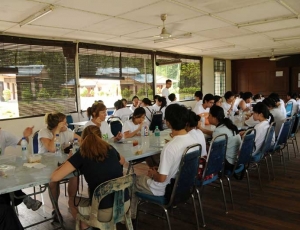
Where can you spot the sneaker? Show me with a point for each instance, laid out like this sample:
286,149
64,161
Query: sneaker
55,217
31,203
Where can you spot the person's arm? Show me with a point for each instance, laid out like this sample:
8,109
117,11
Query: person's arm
26,133
243,105
205,131
78,137
156,176
118,137
128,134
62,171
49,143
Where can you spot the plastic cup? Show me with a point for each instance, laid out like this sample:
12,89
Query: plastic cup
135,142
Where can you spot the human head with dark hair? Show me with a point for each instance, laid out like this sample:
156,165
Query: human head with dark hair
229,96
291,95
168,83
193,120
247,97
53,119
135,101
138,115
97,112
261,112
198,95
218,100
172,97
156,97
217,117
146,102
176,116
257,97
208,101
162,101
118,104
270,102
124,101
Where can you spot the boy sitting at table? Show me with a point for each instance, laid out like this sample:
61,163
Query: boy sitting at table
7,139
155,182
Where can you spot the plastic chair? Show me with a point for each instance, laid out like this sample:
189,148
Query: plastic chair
118,187
243,159
214,167
289,109
156,121
256,159
280,143
116,125
69,119
184,185
292,136
35,142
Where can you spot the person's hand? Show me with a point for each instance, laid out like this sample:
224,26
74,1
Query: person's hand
242,133
151,172
119,136
28,131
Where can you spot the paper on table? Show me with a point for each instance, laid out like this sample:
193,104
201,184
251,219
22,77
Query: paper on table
34,165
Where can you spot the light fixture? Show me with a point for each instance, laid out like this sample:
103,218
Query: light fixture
36,16
218,48
286,39
266,21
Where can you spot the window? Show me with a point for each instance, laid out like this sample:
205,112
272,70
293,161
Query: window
39,81
220,76
184,73
109,74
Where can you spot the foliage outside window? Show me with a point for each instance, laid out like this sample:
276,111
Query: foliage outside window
220,76
185,76
39,86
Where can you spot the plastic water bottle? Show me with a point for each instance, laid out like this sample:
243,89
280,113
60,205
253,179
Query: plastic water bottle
146,130
57,145
24,147
75,145
157,131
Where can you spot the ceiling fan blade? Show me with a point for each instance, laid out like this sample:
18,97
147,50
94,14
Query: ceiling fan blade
164,39
277,58
281,57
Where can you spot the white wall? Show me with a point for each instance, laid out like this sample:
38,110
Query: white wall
208,76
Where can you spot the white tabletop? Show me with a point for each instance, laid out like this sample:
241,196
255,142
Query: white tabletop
25,177
79,123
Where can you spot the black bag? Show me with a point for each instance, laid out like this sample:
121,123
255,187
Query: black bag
169,189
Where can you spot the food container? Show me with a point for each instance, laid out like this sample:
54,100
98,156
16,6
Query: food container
7,170
34,158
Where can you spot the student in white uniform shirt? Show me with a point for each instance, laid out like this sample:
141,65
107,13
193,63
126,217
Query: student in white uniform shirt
245,103
7,139
279,103
208,101
291,97
135,103
198,98
173,99
121,111
162,102
156,105
98,113
165,91
146,104
57,124
229,104
133,126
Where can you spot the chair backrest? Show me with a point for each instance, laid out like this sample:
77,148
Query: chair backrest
156,121
216,156
187,174
115,124
35,142
283,134
296,124
246,148
116,186
268,140
293,119
289,109
69,119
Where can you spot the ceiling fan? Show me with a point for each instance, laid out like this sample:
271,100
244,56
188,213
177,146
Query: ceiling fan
166,35
273,58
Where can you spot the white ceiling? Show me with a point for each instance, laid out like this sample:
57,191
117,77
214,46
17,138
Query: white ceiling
217,26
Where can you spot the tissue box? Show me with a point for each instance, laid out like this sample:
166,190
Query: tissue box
7,170
34,158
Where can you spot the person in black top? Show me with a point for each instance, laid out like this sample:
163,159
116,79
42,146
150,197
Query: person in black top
98,162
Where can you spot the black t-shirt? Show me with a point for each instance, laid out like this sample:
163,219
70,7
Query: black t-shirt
96,173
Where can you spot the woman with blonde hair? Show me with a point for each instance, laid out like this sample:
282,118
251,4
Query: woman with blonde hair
57,124
98,162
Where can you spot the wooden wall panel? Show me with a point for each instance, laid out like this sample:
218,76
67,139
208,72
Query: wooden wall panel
295,79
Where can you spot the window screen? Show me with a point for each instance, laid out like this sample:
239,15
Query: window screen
220,76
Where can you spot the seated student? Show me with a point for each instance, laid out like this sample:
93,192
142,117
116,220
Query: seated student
218,100
257,98
203,109
229,104
146,104
121,111
57,124
245,103
197,134
198,98
98,162
162,102
173,99
156,105
7,139
156,180
124,102
225,126
279,103
133,126
8,217
135,103
291,97
98,114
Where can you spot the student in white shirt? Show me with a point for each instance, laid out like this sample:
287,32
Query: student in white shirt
198,98
279,103
208,101
173,99
156,105
133,126
122,112
162,102
229,104
135,103
245,102
98,113
165,91
146,104
291,97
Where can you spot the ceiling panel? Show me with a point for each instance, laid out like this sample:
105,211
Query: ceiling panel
6,25
284,33
275,25
225,32
294,4
262,11
87,36
209,44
